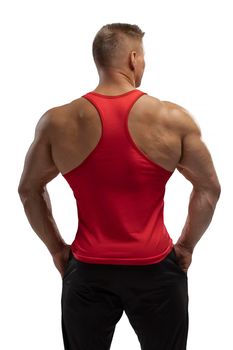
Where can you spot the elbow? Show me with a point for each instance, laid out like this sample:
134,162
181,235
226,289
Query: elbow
216,191
23,193
26,192
213,194
213,188
23,188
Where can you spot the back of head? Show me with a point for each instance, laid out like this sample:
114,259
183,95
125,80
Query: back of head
113,42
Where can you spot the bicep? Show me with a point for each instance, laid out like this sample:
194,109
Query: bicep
39,167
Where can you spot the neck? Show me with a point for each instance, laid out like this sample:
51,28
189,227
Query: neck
115,80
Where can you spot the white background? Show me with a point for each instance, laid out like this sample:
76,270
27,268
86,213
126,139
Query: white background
46,61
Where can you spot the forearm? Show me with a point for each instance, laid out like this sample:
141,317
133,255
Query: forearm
37,207
200,212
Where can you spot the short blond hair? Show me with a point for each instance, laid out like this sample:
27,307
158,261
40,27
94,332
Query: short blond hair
108,39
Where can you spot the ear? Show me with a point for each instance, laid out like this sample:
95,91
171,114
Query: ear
132,60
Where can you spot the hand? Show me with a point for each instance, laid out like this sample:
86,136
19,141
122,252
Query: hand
60,259
184,256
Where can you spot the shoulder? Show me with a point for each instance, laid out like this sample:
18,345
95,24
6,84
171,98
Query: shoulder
181,118
177,117
58,116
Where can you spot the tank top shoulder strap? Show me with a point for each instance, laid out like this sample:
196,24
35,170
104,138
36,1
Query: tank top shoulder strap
105,102
113,112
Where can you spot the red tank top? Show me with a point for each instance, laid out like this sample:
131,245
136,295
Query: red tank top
119,193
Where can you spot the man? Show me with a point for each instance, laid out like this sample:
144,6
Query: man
117,147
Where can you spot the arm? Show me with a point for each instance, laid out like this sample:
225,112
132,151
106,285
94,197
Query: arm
197,166
39,169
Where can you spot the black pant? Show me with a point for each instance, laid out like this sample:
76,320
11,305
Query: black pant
154,298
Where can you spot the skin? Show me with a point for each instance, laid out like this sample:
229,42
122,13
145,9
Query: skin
166,132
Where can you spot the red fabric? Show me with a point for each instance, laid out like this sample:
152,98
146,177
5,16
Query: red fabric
119,193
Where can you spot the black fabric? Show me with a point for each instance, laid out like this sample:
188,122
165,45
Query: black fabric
154,298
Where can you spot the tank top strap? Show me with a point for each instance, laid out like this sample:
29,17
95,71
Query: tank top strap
121,103
113,112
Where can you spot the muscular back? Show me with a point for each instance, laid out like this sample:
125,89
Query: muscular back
153,125
164,131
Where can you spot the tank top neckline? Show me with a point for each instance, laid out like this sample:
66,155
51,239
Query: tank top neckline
113,96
